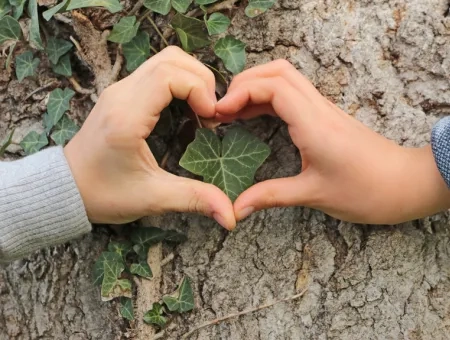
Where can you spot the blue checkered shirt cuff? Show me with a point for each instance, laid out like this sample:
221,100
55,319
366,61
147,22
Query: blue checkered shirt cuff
440,143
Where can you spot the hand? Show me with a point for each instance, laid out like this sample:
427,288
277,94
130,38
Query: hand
348,171
115,171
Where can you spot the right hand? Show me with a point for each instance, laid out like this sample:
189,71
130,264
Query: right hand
348,171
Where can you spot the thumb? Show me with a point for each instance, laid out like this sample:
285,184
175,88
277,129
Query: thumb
188,195
281,192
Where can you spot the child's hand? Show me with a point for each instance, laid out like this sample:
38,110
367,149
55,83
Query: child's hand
348,171
116,173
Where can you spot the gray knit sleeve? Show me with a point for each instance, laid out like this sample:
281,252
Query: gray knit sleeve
440,144
40,204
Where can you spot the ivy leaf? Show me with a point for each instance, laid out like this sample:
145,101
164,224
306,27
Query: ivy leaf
142,269
124,30
183,298
257,7
232,53
126,308
181,6
9,29
35,35
137,51
217,23
230,164
155,316
61,7
6,142
121,248
58,104
65,129
111,5
33,142
47,121
205,2
143,238
159,6
99,267
5,8
18,6
56,48
112,289
191,32
26,65
63,66
174,236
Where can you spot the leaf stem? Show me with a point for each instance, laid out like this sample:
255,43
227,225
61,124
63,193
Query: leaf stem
157,29
153,49
251,310
218,72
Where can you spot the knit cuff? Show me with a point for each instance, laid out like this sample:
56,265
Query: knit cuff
40,204
440,144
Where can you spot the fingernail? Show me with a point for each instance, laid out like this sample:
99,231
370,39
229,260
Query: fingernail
243,213
221,220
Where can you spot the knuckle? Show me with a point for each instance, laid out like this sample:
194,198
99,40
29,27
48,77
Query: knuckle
195,202
172,49
283,65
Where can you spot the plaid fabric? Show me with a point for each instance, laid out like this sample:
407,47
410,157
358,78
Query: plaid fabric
440,143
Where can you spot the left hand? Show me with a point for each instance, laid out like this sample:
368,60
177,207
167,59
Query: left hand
115,171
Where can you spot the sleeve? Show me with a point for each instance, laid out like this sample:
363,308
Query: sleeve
440,144
40,204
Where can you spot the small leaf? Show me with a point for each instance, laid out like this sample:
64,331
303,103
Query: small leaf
5,143
9,29
155,316
61,7
136,51
159,6
99,268
121,287
33,142
231,164
111,5
126,308
191,32
58,104
217,23
181,6
124,30
56,48
232,53
205,2
257,7
35,35
182,300
172,303
18,6
174,236
121,248
65,129
25,65
143,238
63,66
142,269
5,8
47,122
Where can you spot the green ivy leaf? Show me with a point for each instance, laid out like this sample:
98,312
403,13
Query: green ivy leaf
56,48
144,238
182,300
174,236
126,308
142,269
99,267
33,142
232,53
18,6
6,142
124,31
181,6
137,51
5,8
112,289
111,5
58,104
61,7
9,29
257,7
155,316
230,164
26,65
65,129
217,23
35,35
159,6
47,122
191,32
205,2
63,66
121,248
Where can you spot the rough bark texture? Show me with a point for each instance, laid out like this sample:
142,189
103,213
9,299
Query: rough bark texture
386,63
